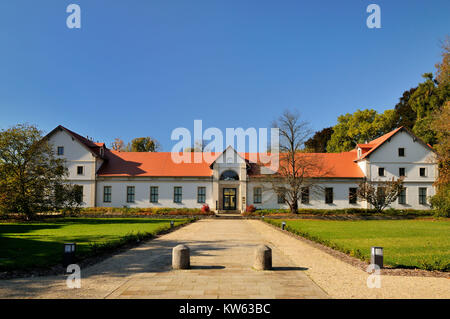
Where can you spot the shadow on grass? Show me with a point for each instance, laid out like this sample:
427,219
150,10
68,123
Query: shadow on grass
56,223
19,254
25,228
106,221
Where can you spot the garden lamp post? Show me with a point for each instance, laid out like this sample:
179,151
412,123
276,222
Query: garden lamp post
376,256
283,225
69,254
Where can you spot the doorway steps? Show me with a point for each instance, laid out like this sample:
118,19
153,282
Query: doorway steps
229,214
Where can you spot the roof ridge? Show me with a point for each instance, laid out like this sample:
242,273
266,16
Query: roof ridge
381,138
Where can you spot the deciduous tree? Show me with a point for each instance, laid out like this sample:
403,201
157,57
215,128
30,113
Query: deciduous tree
32,179
318,142
359,127
404,114
296,169
144,144
427,99
118,145
380,194
443,67
441,126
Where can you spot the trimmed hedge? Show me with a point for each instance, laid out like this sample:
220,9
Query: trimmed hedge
143,211
345,211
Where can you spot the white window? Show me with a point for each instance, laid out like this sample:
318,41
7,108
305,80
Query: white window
177,194
422,195
153,194
130,194
422,172
107,194
402,197
257,195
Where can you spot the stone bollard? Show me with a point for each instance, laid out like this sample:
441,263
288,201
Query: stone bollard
181,257
263,258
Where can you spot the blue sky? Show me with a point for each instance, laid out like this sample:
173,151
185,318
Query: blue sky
144,67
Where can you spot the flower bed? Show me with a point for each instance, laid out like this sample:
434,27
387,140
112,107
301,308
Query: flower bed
164,211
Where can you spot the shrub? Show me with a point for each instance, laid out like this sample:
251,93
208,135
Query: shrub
205,208
250,209
435,264
144,211
441,203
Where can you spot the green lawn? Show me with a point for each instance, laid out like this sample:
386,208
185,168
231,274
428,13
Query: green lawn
40,244
407,243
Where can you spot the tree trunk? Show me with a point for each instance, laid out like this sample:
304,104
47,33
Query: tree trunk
294,208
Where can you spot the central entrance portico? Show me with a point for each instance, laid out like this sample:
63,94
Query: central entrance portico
230,181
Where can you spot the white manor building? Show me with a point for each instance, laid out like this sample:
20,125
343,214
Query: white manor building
116,179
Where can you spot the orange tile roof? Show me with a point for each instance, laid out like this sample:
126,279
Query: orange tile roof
324,165
374,144
365,145
160,164
340,165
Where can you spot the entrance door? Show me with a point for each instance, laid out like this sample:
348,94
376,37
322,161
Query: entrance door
229,198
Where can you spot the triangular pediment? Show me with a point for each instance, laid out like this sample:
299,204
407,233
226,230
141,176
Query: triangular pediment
229,156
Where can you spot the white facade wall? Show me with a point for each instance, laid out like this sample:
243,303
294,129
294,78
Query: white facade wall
412,196
165,192
316,196
416,156
76,155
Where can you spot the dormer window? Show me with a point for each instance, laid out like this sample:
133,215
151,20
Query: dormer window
60,150
401,152
359,152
